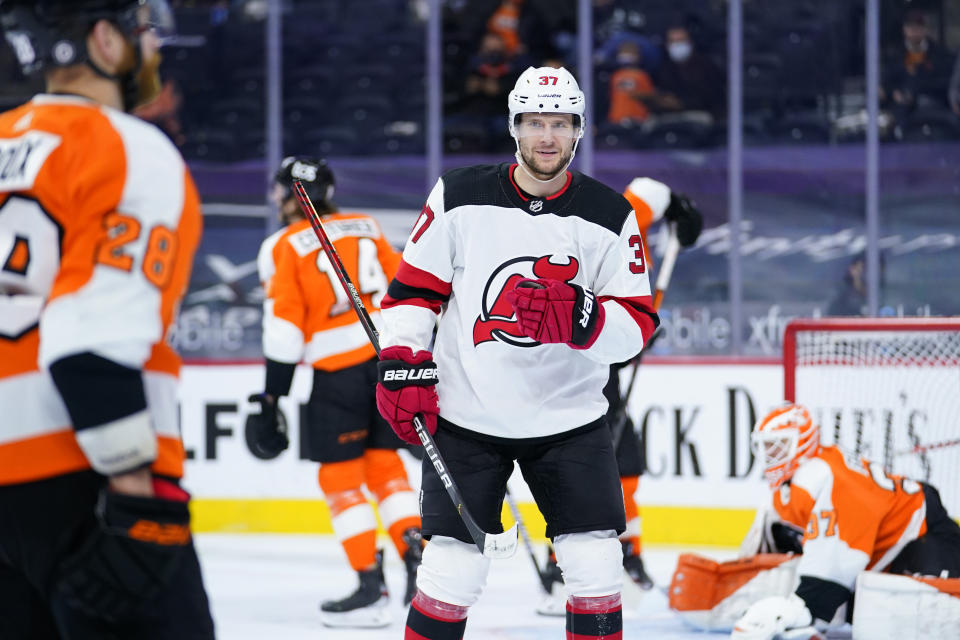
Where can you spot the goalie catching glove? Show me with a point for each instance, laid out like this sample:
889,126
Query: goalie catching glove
553,312
406,387
131,556
266,432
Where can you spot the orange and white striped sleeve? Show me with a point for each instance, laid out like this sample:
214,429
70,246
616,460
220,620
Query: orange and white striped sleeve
131,226
649,199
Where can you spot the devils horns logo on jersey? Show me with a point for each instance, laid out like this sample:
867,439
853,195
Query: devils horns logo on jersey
497,320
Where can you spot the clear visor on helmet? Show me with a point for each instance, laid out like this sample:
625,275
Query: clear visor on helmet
536,125
156,17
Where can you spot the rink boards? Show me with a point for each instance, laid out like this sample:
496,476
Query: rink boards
693,418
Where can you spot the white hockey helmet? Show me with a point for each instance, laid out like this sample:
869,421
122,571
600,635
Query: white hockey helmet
546,90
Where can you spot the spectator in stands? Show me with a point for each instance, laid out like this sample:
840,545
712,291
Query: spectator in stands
851,298
611,19
688,80
609,56
954,93
505,23
916,71
549,29
491,74
630,87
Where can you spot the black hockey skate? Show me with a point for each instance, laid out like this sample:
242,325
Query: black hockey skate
633,565
411,560
365,607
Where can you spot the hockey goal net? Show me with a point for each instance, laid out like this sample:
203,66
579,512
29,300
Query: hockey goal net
884,388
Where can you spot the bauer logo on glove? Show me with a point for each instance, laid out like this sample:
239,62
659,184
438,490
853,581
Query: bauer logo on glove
406,388
555,312
423,375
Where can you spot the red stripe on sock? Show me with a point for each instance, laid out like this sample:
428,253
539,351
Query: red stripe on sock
431,615
410,634
592,612
579,636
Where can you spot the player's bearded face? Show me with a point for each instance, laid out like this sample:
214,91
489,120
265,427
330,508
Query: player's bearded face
546,143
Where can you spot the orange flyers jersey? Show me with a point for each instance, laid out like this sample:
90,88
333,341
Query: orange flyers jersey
855,516
307,314
649,200
99,221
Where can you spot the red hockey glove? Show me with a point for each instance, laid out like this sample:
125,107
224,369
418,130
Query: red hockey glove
406,387
550,311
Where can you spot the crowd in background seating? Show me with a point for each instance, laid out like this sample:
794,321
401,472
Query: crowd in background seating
355,85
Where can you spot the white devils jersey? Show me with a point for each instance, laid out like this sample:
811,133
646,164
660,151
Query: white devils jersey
476,237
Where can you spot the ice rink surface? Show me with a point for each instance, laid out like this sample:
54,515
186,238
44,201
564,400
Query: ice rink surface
270,586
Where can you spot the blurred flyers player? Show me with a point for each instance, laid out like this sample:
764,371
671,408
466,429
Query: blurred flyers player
854,518
652,201
307,317
99,221
538,276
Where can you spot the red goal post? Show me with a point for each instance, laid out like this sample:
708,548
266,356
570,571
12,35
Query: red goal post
884,388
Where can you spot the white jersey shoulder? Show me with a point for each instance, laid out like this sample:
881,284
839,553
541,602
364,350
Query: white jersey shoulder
266,267
653,192
814,476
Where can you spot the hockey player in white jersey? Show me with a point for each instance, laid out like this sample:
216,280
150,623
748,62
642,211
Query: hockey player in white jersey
539,279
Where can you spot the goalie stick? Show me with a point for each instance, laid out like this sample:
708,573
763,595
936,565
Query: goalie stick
663,282
923,448
491,545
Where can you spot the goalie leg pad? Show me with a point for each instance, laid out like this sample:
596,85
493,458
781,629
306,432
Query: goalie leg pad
713,595
452,571
591,561
891,607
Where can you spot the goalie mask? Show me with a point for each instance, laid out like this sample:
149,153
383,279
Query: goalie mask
47,34
547,91
783,440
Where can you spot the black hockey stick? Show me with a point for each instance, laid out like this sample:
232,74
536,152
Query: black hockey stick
492,545
663,282
620,421
515,510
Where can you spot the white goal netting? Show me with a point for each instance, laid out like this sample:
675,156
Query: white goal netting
886,389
